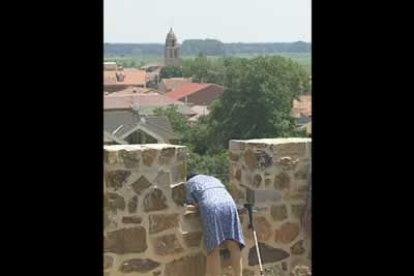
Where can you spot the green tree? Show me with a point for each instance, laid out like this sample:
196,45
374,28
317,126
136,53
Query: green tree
178,121
215,165
258,99
170,72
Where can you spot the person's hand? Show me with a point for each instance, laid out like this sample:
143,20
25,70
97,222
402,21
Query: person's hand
191,208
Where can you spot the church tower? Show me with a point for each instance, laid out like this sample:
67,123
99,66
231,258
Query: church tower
172,50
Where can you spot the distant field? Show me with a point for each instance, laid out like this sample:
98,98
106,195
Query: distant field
303,59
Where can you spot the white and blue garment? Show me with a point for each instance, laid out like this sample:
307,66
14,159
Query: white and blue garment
217,209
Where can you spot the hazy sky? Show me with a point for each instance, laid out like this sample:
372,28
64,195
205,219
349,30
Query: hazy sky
140,21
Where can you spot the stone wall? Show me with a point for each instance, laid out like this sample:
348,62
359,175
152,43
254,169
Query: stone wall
146,231
272,174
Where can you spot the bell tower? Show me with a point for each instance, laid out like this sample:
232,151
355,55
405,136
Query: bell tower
172,50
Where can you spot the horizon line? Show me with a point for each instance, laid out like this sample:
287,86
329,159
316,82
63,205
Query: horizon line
208,39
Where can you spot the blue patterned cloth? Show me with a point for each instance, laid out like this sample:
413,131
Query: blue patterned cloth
217,209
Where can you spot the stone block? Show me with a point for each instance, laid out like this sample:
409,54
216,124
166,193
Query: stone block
287,232
141,184
282,181
126,240
161,222
167,245
163,179
297,248
263,229
279,212
148,157
138,265
179,194
114,202
155,200
116,179
192,239
178,173
130,158
191,265
132,219
133,204
297,210
268,253
108,261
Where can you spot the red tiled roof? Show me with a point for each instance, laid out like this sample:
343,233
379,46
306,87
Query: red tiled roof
126,101
135,90
175,83
303,106
186,90
132,77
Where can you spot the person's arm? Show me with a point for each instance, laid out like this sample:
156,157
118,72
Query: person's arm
192,204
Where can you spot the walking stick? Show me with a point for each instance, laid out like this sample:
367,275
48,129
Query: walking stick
248,206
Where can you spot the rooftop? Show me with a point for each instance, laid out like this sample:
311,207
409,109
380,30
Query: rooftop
186,90
131,77
303,106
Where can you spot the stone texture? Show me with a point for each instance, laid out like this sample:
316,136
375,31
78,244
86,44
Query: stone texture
282,181
263,229
238,175
181,154
236,193
132,219
256,159
141,184
269,254
126,240
297,210
287,232
287,163
268,182
133,204
262,196
148,157
264,159
114,202
178,173
284,266
155,201
297,193
130,158
275,270
293,150
110,221
157,273
163,178
138,265
108,261
257,181
116,179
192,239
279,212
193,220
161,222
301,270
179,194
110,157
302,172
166,155
297,248
250,159
234,156
167,245
191,265
248,272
